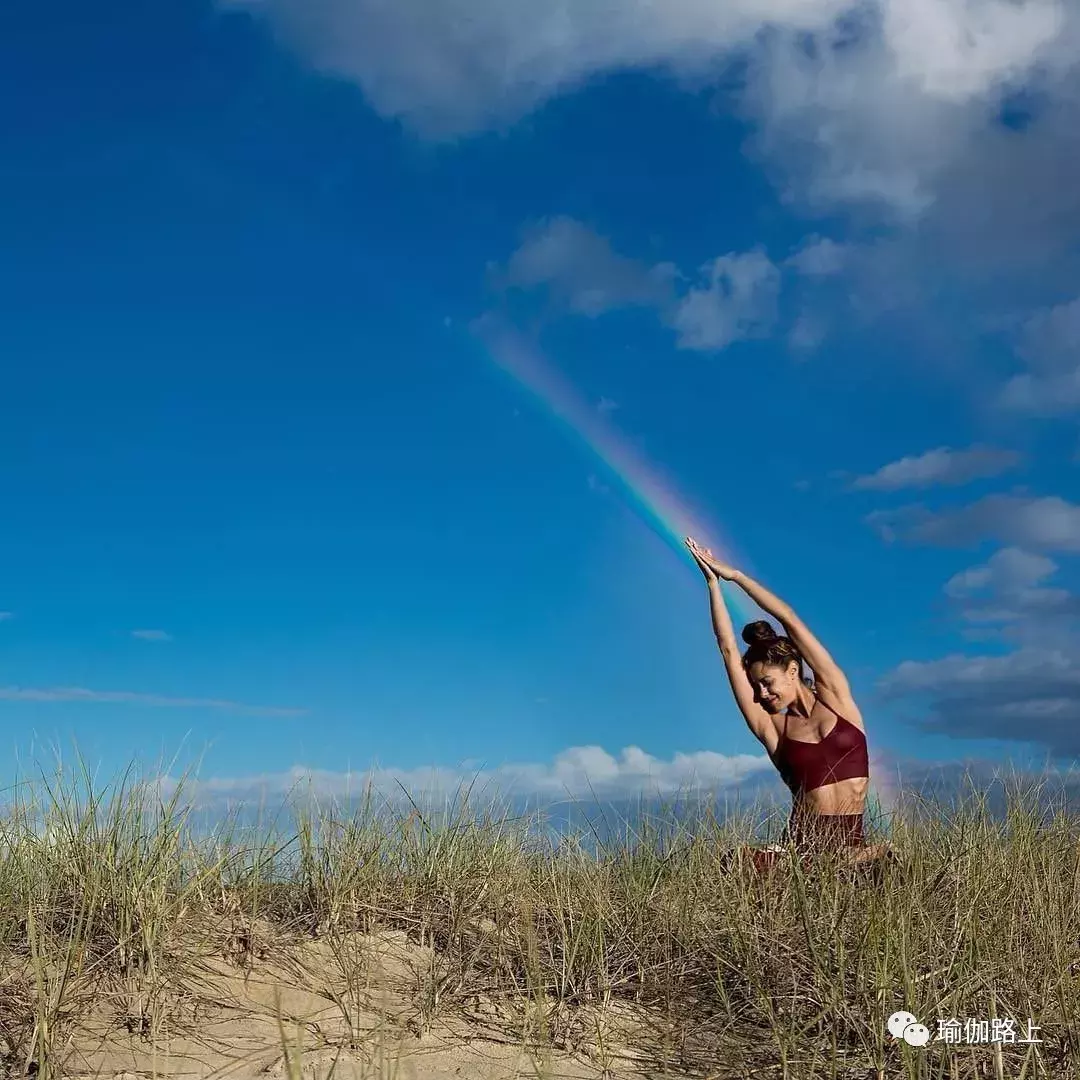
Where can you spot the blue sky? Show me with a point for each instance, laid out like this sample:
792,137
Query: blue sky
268,498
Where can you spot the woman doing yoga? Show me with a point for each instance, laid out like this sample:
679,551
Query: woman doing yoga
814,736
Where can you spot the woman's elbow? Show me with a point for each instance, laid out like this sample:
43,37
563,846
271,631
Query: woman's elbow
729,650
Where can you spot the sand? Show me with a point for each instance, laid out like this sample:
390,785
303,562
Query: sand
347,1005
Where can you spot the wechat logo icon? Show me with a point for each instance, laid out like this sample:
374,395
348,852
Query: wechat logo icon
903,1025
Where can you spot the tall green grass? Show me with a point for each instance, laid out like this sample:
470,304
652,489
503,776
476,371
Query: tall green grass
646,947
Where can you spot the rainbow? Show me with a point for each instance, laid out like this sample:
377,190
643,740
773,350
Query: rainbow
650,495
646,491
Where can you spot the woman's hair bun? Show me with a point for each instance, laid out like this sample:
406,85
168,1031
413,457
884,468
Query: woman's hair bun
759,633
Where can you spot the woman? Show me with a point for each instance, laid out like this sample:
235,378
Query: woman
814,736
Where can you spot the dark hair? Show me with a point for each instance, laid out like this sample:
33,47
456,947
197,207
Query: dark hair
770,648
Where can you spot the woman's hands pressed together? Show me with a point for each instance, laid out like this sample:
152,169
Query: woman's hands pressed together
710,566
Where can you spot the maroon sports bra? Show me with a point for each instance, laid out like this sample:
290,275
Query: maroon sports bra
841,755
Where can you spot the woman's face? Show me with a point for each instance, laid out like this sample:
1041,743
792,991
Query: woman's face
775,688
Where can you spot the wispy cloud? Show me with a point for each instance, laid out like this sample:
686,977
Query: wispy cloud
808,331
736,300
1046,523
733,298
126,697
1050,346
151,635
1044,394
1007,598
940,467
818,257
5,616
582,271
1006,570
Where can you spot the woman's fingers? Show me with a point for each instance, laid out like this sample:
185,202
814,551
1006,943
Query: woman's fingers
702,557
704,567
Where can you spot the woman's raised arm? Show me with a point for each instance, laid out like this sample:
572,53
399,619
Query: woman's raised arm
827,673
757,719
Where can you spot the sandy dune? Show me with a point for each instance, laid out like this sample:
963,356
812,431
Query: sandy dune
350,1006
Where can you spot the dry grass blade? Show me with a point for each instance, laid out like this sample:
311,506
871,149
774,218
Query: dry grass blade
463,942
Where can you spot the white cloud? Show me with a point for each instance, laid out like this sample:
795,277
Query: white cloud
888,107
807,332
151,635
1009,588
819,257
127,697
882,104
1031,695
454,67
876,98
738,301
607,794
579,772
1007,570
957,49
6,616
943,466
1050,345
1046,523
1049,523
582,270
1051,338
1043,395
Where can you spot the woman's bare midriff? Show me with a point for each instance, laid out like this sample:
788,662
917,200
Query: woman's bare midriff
844,797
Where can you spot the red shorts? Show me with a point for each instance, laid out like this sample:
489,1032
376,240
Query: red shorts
825,832
811,834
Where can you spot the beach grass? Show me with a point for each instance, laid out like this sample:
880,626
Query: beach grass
384,939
